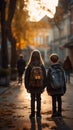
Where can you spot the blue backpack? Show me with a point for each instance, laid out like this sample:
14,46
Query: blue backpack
57,77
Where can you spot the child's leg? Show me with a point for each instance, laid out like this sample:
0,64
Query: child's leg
38,97
54,105
32,104
59,105
68,77
19,77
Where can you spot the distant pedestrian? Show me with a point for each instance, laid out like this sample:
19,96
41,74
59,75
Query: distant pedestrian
35,81
56,86
68,68
20,67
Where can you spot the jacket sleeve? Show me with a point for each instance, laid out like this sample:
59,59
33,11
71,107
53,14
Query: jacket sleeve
44,75
48,81
48,77
64,83
27,74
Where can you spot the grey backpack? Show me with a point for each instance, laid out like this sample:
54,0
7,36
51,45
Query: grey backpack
57,77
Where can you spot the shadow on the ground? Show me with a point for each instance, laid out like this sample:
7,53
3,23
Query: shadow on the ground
34,125
61,125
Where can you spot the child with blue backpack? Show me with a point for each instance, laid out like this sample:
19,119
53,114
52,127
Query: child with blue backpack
56,86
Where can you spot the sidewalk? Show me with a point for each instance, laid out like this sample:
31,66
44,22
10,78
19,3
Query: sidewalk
71,78
15,110
4,88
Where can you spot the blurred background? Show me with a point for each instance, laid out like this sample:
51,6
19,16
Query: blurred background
26,25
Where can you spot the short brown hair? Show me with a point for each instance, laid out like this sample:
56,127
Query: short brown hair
54,57
21,56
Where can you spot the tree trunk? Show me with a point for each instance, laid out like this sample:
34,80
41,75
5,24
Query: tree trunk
11,11
4,51
13,53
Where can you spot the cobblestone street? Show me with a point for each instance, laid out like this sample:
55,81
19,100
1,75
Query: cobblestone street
15,110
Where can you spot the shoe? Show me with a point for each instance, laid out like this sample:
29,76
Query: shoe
59,115
32,116
18,82
54,115
38,116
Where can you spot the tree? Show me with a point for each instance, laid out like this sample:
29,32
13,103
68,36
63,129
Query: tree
4,51
62,8
20,24
11,11
6,30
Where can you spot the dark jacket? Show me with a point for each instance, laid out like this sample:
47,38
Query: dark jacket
50,90
21,65
27,75
67,65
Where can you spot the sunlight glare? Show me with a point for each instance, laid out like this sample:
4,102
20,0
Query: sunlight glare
27,96
37,9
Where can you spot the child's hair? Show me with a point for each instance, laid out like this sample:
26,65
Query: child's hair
20,56
54,57
35,56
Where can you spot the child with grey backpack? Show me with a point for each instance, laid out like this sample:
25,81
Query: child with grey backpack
56,86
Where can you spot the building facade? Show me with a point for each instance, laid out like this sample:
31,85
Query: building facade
69,43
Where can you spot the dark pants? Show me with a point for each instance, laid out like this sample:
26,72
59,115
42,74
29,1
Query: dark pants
37,98
20,76
56,104
67,75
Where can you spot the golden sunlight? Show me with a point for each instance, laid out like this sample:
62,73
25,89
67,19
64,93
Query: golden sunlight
37,9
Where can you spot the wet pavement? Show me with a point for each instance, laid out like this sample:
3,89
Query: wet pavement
15,110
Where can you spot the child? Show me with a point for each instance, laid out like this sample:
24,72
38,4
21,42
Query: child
35,89
68,68
56,93
20,67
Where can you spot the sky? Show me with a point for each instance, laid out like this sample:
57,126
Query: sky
37,9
